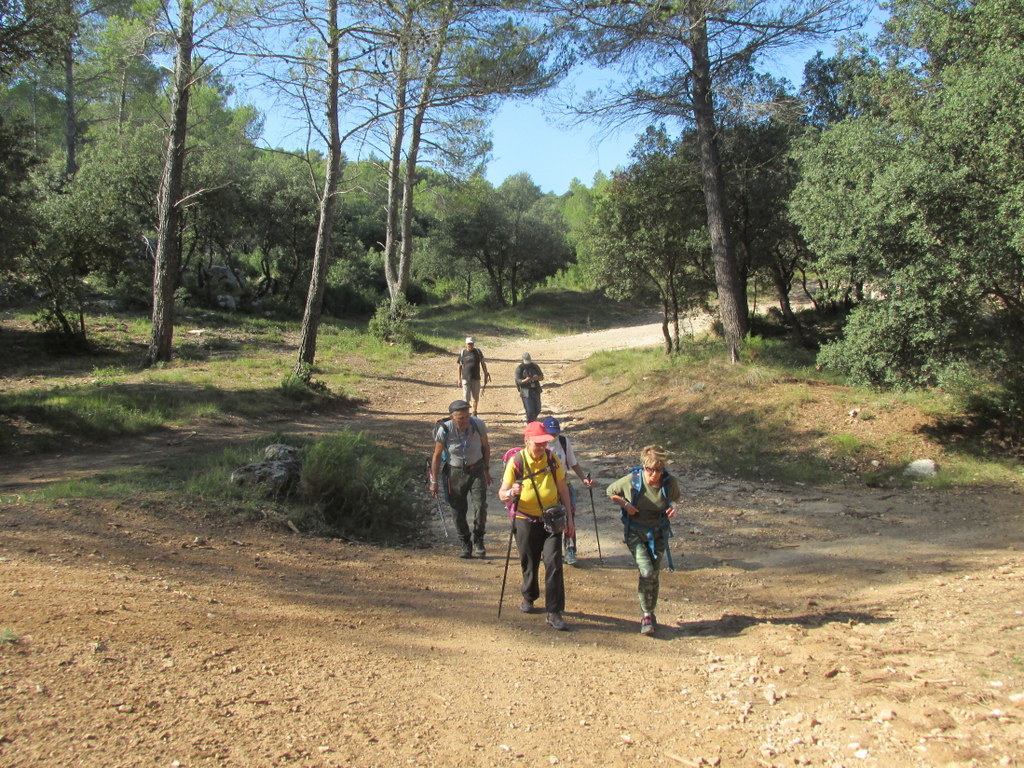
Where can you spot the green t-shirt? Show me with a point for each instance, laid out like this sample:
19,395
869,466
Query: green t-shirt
651,502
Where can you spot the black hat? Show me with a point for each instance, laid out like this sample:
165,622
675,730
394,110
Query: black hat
458,405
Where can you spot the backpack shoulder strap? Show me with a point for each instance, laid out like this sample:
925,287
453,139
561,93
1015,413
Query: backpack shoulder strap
637,484
565,445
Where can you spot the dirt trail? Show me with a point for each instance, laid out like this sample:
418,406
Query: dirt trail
805,626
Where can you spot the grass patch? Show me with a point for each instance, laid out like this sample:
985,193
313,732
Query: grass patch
359,488
775,417
8,636
233,368
348,486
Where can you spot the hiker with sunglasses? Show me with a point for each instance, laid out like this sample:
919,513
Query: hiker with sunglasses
535,479
647,497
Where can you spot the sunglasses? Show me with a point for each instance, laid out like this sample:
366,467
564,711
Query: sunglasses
653,469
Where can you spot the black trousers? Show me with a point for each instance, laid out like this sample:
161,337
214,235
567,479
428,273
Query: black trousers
535,546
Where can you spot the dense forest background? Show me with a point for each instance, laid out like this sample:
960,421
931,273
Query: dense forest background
889,185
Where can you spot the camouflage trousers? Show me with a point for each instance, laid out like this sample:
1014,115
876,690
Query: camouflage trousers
649,567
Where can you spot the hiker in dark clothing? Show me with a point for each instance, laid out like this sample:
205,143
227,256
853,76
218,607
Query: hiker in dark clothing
463,438
470,364
528,376
647,496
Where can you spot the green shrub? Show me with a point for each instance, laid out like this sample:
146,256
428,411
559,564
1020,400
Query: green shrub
359,487
392,322
897,344
300,386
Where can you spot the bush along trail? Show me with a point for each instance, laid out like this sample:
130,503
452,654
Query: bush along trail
820,626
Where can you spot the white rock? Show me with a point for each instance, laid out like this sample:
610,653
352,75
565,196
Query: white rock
921,468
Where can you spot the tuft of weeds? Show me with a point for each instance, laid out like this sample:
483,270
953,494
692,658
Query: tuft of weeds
360,489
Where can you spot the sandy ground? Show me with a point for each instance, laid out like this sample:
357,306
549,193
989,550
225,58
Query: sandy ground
804,625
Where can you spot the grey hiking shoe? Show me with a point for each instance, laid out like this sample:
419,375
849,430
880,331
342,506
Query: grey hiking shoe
557,622
648,624
478,547
526,606
467,549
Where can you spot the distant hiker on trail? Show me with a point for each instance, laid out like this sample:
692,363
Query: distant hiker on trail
528,377
561,446
462,454
535,480
648,496
470,363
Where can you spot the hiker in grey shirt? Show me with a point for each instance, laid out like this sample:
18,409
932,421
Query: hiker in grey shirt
465,474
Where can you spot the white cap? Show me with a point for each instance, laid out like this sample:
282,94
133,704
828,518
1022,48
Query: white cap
470,340
527,358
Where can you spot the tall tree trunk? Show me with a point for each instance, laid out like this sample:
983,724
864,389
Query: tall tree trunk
783,284
415,138
70,123
168,233
732,305
394,176
328,204
665,312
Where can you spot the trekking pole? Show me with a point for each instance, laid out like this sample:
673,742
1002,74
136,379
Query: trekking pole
508,557
440,511
594,513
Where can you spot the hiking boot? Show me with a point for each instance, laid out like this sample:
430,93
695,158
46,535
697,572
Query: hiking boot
467,549
648,624
570,556
478,546
556,621
526,606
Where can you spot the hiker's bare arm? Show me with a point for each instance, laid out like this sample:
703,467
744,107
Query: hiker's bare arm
509,491
582,476
624,503
435,467
563,494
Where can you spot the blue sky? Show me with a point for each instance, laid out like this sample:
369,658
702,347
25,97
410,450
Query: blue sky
525,139
529,137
